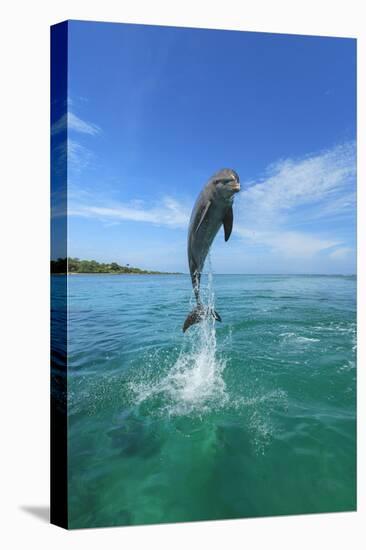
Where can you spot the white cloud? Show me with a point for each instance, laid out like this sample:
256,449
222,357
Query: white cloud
295,193
70,154
290,183
289,243
341,253
78,156
169,212
74,123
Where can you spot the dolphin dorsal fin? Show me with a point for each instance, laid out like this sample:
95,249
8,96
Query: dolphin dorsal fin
204,212
228,222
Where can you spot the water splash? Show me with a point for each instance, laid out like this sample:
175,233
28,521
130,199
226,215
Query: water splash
192,386
195,383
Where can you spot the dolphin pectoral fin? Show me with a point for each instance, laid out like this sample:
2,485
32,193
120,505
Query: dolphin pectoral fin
198,314
228,223
204,212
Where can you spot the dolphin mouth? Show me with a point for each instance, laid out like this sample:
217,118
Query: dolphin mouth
235,187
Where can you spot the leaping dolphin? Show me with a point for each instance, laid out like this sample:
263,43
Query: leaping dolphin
212,208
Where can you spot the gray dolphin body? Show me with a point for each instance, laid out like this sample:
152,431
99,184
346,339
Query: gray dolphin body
212,209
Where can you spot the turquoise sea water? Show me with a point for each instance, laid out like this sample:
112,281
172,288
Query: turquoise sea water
254,416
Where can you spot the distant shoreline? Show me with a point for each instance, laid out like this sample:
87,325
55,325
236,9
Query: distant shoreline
75,266
111,273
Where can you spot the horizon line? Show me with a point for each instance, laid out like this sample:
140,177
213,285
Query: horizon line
227,274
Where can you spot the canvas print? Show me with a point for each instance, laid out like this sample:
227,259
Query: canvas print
203,274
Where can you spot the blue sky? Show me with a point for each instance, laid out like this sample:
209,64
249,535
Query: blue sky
153,112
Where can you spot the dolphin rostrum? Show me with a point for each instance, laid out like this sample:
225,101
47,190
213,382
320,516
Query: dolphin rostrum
212,209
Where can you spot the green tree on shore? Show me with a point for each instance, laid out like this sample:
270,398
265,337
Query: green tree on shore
75,265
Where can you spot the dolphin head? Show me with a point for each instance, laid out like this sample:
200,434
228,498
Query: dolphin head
226,182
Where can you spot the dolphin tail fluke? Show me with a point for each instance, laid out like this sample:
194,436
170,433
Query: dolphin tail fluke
198,314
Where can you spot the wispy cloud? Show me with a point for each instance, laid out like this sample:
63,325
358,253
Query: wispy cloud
289,183
72,122
297,193
167,212
341,253
72,155
78,155
69,149
289,244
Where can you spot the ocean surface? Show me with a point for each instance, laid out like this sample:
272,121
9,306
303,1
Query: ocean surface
254,416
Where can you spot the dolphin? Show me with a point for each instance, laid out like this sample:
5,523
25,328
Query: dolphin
213,208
